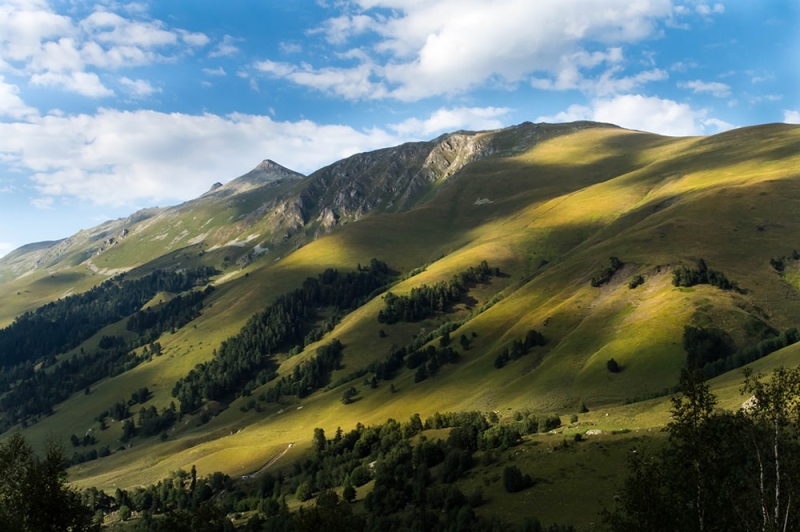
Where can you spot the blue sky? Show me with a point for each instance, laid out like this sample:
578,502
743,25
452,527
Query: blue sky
110,106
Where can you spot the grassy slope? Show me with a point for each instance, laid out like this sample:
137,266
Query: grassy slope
572,201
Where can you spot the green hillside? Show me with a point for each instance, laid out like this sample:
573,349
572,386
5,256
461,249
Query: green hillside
548,206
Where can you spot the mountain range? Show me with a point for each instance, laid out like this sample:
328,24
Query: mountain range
601,245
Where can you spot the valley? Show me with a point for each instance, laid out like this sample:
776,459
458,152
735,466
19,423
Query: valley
497,247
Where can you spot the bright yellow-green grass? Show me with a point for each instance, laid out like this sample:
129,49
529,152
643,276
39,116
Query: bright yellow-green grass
549,218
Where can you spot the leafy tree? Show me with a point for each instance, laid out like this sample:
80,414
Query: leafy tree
720,471
514,480
613,366
34,496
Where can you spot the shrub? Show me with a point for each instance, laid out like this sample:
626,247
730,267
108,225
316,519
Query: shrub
514,480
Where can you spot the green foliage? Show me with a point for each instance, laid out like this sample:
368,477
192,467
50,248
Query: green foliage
605,275
749,354
720,471
34,496
425,300
520,348
613,366
284,323
704,346
636,280
514,480
683,276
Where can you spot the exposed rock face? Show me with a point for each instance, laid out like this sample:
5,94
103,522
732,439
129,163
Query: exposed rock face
266,172
279,204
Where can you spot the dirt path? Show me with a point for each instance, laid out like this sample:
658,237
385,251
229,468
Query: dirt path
272,460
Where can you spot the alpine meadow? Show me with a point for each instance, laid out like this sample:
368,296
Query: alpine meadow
541,327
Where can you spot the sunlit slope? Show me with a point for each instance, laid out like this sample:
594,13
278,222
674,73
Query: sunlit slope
549,218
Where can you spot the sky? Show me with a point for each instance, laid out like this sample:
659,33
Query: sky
109,106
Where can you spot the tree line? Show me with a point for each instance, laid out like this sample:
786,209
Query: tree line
245,360
63,324
426,300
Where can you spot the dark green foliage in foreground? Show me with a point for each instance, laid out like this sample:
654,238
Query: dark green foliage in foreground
34,496
245,361
720,471
424,301
413,484
683,276
605,275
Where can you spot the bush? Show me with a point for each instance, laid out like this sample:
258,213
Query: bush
613,366
514,480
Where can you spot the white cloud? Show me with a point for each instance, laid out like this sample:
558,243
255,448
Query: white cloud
129,158
67,52
656,115
715,88
471,118
138,87
446,47
11,104
219,71
125,158
791,117
85,83
224,48
43,203
290,47
194,39
338,30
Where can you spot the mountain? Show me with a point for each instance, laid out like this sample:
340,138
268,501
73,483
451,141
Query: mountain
585,223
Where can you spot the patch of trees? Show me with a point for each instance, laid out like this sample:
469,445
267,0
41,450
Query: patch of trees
704,346
34,494
779,264
604,275
636,281
150,323
520,348
686,277
309,375
38,392
62,325
720,470
413,483
426,300
749,354
245,360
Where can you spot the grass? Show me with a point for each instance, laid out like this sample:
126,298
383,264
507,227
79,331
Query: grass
556,213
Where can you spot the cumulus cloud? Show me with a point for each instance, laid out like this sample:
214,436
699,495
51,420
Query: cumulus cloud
219,71
442,120
138,88
69,52
224,48
634,111
11,105
445,47
791,117
127,157
85,83
715,88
